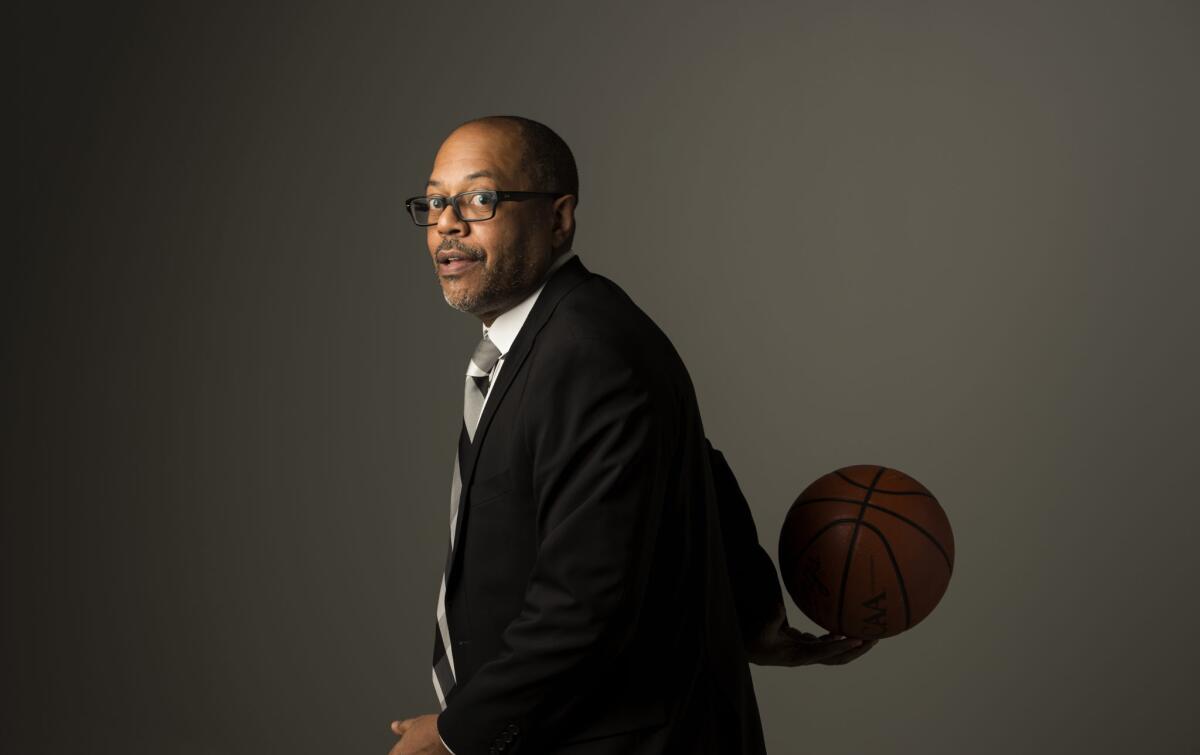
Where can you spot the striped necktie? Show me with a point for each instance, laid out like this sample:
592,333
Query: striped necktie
474,392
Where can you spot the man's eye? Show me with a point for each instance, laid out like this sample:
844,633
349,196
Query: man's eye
482,200
436,203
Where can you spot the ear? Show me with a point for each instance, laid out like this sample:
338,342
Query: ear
564,219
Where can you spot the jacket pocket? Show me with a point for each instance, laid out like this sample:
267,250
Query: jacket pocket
490,488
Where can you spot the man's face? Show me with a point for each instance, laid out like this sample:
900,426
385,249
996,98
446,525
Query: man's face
488,266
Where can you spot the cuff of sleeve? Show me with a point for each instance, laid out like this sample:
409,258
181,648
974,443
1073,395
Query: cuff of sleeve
439,733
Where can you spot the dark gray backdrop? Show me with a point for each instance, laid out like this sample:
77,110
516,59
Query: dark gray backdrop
963,236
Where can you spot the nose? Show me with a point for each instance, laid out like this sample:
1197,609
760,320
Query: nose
449,224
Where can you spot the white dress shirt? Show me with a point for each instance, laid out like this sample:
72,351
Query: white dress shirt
503,332
504,329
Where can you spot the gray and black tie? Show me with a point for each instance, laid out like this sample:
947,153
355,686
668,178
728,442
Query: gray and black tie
474,392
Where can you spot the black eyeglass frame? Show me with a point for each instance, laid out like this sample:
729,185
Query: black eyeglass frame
501,196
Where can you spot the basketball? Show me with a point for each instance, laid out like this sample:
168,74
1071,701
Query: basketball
866,551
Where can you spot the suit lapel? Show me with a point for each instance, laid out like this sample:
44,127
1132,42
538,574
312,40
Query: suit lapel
571,274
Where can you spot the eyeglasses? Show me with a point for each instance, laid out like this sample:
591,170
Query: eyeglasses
470,206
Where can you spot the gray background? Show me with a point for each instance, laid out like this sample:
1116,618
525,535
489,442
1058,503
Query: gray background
962,235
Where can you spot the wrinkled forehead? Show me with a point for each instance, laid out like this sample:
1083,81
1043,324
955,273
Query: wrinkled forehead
480,154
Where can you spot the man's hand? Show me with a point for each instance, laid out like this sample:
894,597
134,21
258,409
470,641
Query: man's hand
781,645
418,736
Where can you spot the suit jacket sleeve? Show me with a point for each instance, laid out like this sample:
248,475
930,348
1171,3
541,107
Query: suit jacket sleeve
756,588
598,429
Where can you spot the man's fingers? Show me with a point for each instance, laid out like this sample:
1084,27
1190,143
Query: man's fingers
850,655
804,651
796,634
834,648
399,727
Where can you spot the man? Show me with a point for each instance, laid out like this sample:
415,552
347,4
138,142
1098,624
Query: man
605,587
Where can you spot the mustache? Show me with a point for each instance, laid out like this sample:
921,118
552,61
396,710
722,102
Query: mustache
448,244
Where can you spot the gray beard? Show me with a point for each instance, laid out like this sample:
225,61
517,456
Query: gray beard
503,288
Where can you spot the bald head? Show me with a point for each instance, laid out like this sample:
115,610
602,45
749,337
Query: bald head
488,264
545,159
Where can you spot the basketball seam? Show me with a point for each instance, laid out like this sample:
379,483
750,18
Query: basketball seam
901,517
787,558
818,534
896,569
882,490
850,554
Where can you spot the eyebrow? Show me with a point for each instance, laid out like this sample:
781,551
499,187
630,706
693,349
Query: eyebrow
468,177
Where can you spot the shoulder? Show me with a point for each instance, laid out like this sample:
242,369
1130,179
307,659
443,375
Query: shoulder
597,316
599,358
600,312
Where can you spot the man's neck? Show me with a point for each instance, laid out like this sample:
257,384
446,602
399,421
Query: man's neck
490,317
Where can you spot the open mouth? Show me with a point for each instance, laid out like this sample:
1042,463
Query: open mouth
454,264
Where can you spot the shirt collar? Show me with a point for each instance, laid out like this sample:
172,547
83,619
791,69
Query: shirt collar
504,328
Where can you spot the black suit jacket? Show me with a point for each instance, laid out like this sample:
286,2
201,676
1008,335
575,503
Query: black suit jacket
607,565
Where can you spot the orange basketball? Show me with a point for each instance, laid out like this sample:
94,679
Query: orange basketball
866,551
